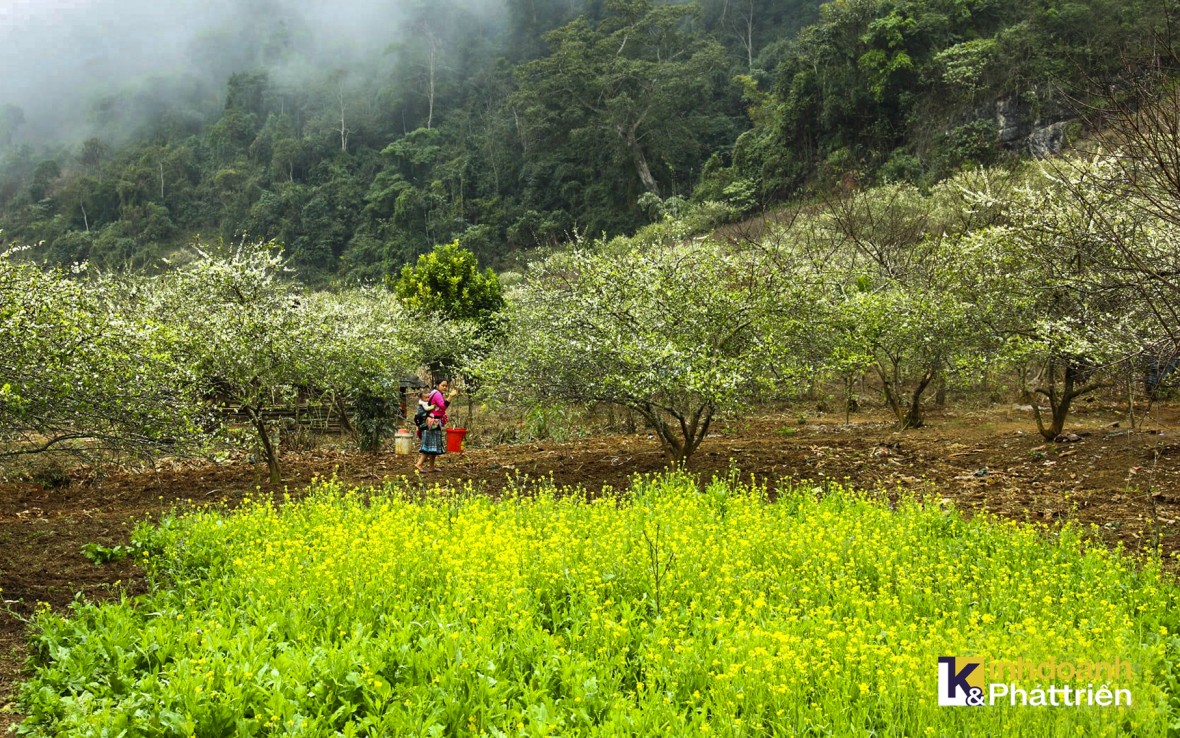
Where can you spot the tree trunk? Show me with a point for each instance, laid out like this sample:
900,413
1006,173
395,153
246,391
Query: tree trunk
430,92
268,449
673,446
850,404
679,446
641,167
889,389
342,409
694,431
1060,402
891,399
1130,377
908,415
747,37
343,127
913,416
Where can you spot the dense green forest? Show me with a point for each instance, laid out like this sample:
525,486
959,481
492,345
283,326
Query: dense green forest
521,128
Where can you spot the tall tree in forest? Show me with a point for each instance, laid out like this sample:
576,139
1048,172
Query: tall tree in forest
640,83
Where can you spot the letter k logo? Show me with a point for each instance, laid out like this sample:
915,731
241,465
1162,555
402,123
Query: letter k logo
953,686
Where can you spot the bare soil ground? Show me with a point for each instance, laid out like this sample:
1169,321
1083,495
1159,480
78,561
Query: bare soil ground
1124,482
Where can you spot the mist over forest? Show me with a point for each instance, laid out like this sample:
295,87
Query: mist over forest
361,134
109,67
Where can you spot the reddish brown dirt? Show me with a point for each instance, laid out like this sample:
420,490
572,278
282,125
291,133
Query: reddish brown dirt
1125,483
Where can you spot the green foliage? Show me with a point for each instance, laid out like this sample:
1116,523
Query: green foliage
965,65
99,554
875,77
888,300
358,171
901,167
483,135
990,270
376,418
364,341
252,337
629,103
559,423
680,608
1054,281
909,334
551,121
971,145
447,281
243,329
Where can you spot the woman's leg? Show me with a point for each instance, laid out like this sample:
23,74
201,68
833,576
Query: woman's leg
418,464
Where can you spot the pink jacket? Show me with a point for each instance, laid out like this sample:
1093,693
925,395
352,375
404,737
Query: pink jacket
440,407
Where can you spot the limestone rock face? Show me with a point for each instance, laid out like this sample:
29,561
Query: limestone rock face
1048,140
1010,117
1020,126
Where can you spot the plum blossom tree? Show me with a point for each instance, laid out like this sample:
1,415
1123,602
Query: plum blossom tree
1065,303
253,337
81,370
363,341
680,335
241,327
890,286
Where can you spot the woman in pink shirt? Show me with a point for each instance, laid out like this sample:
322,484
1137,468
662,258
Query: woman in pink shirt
433,442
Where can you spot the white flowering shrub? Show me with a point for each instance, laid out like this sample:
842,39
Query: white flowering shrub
1060,294
81,370
679,335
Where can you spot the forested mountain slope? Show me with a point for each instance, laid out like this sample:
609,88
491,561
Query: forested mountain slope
516,126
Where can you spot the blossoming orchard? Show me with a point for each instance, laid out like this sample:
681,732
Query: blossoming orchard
679,603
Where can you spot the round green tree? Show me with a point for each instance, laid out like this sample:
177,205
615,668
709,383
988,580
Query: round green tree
448,281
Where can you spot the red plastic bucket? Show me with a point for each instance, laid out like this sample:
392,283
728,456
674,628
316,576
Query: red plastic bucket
455,440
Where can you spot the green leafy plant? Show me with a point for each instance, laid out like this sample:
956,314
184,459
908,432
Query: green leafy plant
100,554
399,610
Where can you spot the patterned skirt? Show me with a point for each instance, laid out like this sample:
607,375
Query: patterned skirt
433,442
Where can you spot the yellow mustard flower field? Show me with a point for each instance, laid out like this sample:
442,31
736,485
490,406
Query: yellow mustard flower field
681,608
